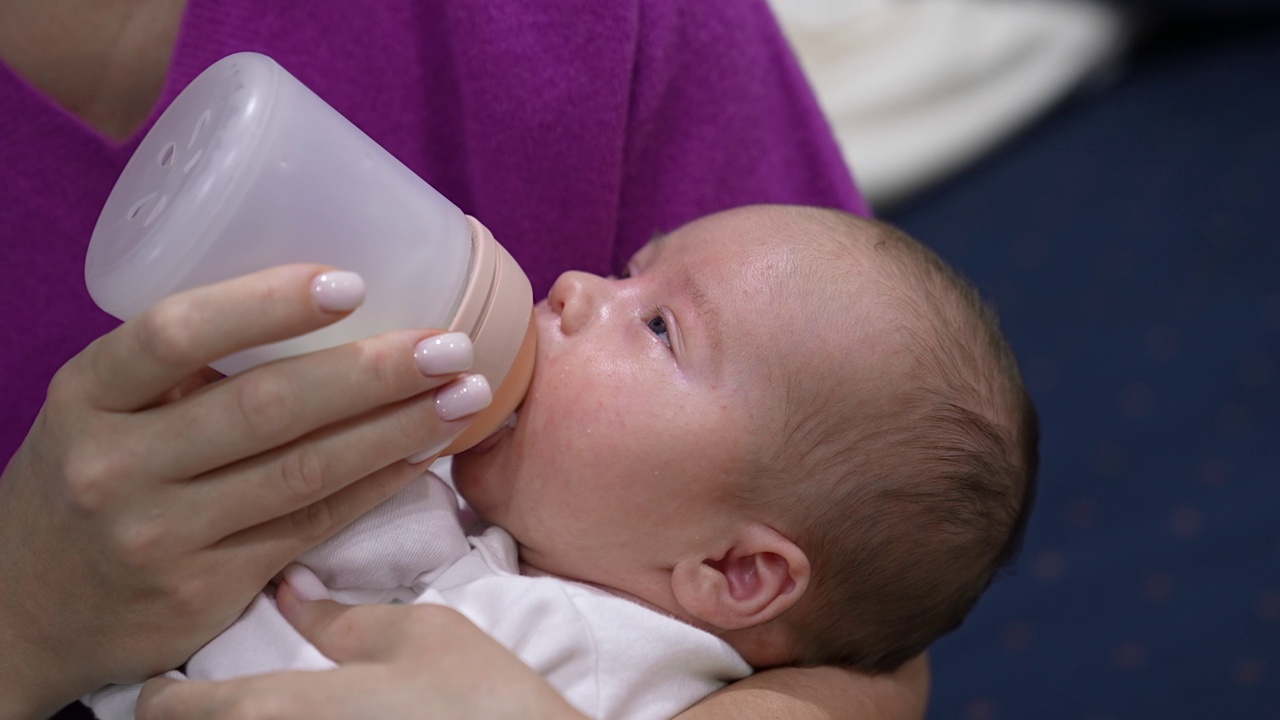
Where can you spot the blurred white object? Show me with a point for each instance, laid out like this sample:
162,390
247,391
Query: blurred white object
915,89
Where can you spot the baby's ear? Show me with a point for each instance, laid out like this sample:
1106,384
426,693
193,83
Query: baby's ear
756,579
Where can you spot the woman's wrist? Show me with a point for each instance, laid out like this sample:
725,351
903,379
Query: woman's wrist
38,646
27,694
31,685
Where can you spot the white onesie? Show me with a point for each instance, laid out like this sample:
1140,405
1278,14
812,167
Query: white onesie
610,657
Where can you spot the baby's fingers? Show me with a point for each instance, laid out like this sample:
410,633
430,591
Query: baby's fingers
140,361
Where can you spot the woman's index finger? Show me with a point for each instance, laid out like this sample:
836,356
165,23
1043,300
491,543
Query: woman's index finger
136,364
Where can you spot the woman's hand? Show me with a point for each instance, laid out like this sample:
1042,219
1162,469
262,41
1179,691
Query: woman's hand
150,500
429,661
395,661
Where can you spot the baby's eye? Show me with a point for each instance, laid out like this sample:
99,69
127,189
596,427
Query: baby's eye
658,325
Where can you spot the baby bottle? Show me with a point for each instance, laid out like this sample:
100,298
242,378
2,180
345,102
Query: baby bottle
248,169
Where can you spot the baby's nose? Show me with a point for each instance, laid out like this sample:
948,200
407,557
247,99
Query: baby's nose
576,297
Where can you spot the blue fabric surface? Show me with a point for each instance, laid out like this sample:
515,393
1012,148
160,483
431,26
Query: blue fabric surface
1131,243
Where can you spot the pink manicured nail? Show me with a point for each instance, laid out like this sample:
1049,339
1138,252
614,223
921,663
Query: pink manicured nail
462,397
338,291
443,354
305,584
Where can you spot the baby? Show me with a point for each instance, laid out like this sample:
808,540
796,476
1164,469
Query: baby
784,436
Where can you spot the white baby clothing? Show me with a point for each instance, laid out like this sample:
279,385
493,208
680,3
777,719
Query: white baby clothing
610,657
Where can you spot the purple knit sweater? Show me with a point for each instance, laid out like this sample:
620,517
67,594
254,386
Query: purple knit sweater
574,130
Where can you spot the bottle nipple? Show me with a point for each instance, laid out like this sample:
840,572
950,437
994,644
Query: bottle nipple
497,313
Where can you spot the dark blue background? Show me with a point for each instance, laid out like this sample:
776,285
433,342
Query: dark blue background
1132,244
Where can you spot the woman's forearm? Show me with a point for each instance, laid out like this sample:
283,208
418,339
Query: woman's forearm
821,694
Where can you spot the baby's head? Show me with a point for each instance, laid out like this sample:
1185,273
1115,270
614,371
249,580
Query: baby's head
792,427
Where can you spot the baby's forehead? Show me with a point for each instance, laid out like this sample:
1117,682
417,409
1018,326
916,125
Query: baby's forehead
798,292
798,238
791,255
791,258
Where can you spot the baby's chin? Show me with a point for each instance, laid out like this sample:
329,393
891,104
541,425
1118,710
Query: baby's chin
475,472
468,481
488,443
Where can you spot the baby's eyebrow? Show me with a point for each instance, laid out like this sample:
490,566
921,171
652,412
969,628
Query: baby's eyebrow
708,311
709,315
652,245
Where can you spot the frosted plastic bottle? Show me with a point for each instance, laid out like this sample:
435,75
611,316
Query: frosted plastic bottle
248,169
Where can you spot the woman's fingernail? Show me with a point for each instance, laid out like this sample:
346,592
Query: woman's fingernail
305,584
462,397
338,291
443,354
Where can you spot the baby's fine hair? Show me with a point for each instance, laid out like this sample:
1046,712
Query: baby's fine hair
905,519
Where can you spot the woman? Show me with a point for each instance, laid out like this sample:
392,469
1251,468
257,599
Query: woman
574,130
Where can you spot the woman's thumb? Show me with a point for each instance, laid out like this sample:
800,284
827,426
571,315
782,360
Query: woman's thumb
344,633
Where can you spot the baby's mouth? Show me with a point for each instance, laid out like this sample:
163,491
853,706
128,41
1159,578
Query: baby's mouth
507,425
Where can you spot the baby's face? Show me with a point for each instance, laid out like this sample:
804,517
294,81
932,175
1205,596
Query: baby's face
651,394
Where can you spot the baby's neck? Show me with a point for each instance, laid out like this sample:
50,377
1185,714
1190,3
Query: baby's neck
759,646
529,570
